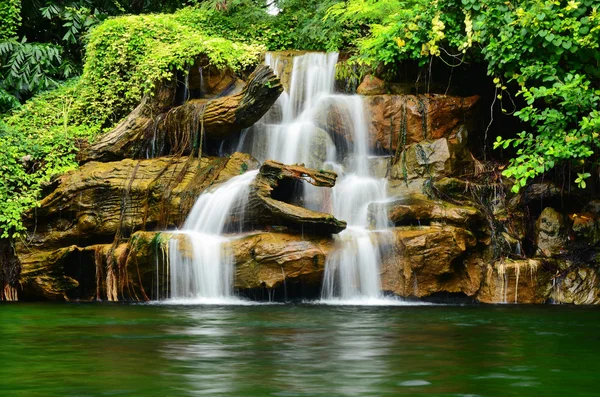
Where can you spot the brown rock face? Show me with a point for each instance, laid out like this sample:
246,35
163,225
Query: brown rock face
272,194
371,85
267,260
580,286
102,200
284,65
438,158
421,261
135,271
399,120
551,233
586,227
519,281
417,209
139,269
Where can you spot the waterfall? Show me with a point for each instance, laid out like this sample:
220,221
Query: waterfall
352,270
206,273
295,130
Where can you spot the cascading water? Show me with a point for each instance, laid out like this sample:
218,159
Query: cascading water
291,133
352,270
207,274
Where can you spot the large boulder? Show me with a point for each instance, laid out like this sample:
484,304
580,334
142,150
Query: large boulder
580,286
415,209
433,159
400,120
273,195
371,85
514,281
99,201
138,270
551,233
268,260
422,261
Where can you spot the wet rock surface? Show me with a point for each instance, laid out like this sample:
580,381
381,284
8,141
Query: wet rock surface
551,233
454,229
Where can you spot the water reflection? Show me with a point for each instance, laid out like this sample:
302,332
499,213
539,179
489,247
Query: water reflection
306,350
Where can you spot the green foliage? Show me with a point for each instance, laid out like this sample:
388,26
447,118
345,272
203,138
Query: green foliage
10,15
298,25
550,48
126,57
28,68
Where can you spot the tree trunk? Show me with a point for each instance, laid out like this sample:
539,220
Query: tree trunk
156,127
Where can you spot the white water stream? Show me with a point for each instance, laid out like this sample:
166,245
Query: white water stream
207,274
291,132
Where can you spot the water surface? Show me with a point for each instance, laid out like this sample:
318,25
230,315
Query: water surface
298,350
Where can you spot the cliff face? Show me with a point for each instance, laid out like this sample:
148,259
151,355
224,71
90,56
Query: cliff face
102,231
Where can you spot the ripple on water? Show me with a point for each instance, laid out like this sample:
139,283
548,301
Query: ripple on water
369,302
232,301
415,382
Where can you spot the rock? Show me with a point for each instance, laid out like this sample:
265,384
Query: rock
310,147
371,85
400,120
580,286
535,192
282,63
551,233
513,281
113,272
267,260
139,269
157,127
272,199
10,268
432,159
379,166
593,206
99,201
586,228
208,82
419,210
422,261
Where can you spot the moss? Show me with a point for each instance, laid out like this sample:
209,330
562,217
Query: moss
126,58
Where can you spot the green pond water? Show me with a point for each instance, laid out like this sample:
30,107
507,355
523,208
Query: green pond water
298,350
